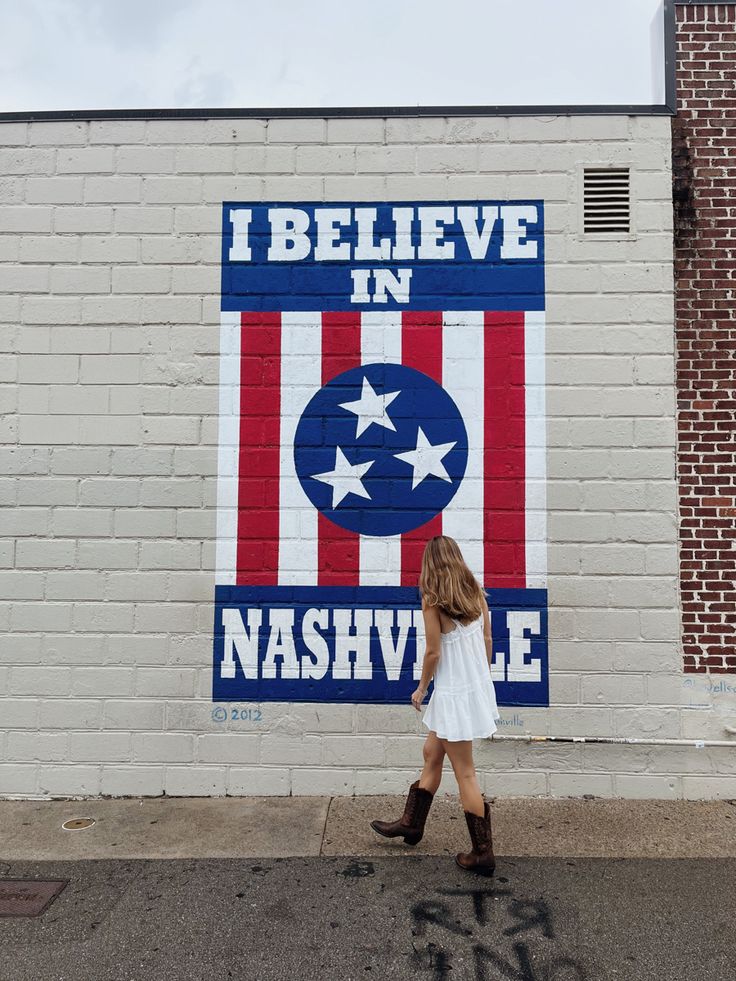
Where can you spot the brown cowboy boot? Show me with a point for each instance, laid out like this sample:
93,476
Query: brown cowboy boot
481,859
411,823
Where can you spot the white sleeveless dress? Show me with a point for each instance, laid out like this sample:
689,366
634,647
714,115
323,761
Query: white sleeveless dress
463,701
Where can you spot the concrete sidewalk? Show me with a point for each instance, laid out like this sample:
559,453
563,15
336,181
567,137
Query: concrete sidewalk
267,827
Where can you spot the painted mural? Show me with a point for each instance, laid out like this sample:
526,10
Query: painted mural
381,382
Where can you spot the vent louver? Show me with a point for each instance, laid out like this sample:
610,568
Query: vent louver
606,201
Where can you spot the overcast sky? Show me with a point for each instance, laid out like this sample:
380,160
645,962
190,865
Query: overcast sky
92,54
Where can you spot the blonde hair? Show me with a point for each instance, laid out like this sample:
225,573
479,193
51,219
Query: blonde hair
447,582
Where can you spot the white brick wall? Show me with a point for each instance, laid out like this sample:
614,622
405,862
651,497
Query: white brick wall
109,270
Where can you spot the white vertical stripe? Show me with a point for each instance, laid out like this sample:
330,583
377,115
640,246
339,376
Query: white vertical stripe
380,337
301,377
462,377
380,342
228,450
536,451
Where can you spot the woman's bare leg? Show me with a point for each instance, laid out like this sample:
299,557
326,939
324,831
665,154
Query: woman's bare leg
434,757
461,758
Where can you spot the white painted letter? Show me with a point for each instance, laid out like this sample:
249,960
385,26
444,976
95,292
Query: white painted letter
288,239
397,286
393,654
518,670
366,248
329,245
315,643
478,243
513,232
240,218
237,641
349,638
361,278
281,643
431,245
403,249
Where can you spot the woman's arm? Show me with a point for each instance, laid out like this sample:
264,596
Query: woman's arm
487,638
432,630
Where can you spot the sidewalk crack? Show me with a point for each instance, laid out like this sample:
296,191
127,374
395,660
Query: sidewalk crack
324,830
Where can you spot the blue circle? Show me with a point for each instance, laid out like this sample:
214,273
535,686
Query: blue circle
398,496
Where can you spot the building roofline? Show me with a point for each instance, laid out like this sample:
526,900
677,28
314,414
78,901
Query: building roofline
333,112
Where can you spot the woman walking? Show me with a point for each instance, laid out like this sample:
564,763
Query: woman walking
463,703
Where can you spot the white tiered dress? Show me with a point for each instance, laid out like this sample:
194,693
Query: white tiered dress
463,701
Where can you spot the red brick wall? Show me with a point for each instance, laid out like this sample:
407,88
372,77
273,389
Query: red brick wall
704,164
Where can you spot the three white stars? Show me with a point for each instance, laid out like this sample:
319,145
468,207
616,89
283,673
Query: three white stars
347,478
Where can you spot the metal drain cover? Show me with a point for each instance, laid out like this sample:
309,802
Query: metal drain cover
78,824
28,897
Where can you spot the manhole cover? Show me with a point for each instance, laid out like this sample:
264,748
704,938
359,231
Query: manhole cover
28,897
78,824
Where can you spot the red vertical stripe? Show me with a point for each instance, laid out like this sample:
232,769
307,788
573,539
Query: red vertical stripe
338,548
504,454
259,459
421,348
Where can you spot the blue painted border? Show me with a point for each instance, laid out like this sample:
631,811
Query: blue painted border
461,283
379,689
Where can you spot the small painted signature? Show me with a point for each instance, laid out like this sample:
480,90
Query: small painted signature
236,713
515,720
713,687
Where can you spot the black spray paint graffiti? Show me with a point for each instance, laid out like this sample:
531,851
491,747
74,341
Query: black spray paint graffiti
489,906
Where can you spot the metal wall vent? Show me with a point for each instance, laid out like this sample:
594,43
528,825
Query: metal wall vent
606,200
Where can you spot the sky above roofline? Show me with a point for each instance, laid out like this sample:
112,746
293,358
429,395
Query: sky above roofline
181,54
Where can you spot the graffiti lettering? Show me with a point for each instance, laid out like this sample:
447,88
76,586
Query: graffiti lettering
438,913
530,913
479,897
529,916
484,956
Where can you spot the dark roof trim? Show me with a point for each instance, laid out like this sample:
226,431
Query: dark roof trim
668,109
319,113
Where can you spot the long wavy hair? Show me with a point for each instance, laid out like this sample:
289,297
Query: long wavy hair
446,581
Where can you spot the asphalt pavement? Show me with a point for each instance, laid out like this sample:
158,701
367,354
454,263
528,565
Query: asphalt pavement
350,918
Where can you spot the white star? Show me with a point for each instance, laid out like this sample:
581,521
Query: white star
426,459
345,478
371,407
